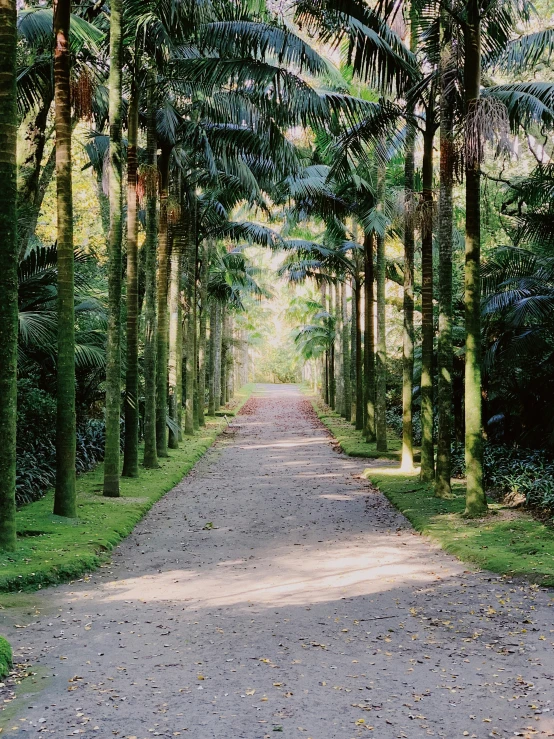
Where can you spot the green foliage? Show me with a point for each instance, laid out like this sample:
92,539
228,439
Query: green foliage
525,472
518,547
5,657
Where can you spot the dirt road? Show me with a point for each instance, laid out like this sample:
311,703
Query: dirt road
274,591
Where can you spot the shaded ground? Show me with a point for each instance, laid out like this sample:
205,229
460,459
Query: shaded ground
310,609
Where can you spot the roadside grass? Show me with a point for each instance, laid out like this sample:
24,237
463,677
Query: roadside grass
507,541
53,549
5,657
351,441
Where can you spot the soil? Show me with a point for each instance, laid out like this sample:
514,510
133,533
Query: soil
273,590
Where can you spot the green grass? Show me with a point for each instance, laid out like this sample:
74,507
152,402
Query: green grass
5,657
53,549
351,441
507,541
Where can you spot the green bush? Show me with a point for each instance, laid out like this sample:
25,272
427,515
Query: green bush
529,472
5,657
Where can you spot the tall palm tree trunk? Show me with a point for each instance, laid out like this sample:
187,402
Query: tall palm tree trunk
8,271
427,328
224,349
189,335
338,350
202,335
446,218
332,368
64,496
369,340
359,419
476,503
408,313
150,318
130,454
217,356
346,354
211,360
163,312
381,354
113,346
175,322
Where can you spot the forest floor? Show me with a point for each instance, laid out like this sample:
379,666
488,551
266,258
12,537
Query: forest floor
275,590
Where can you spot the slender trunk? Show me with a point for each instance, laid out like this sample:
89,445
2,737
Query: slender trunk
407,464
338,351
195,402
446,217
202,335
64,498
113,347
369,341
359,357
175,321
353,355
211,360
150,319
476,503
8,271
427,329
189,334
346,354
163,313
130,456
381,354
223,368
217,354
332,368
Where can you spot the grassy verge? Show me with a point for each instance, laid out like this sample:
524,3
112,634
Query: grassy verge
351,441
508,541
52,549
5,657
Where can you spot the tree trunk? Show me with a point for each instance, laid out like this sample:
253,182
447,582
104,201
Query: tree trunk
189,335
446,218
202,335
476,503
211,360
346,354
130,456
427,328
150,319
163,313
223,368
369,340
8,271
338,351
359,358
381,354
332,368
64,498
407,464
113,347
175,323
217,355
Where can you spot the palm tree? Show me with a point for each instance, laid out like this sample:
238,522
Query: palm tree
130,457
8,272
64,497
150,319
427,322
113,351
446,218
476,503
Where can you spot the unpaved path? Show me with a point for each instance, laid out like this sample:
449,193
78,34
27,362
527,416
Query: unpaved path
310,609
